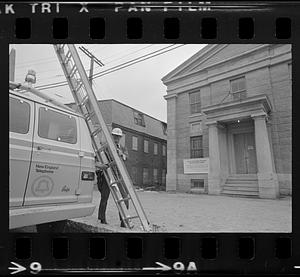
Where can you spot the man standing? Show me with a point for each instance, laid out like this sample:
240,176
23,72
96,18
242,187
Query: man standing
101,181
104,191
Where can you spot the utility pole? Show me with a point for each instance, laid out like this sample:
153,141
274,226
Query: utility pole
91,70
94,59
12,65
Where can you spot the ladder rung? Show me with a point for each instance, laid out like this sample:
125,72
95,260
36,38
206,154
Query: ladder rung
103,147
73,71
131,217
88,116
124,199
68,56
78,87
84,100
115,182
111,163
97,131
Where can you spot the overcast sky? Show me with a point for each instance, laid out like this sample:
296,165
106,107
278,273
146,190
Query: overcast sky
138,86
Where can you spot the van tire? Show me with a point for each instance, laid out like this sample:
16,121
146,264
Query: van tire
52,227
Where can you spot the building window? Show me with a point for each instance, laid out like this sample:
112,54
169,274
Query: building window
155,175
146,146
238,88
163,176
196,147
164,127
134,143
19,116
57,126
139,118
195,102
164,150
197,184
134,174
145,176
155,148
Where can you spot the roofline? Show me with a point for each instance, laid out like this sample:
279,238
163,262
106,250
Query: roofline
127,107
190,60
124,128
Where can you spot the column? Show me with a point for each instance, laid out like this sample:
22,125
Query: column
171,178
267,177
214,174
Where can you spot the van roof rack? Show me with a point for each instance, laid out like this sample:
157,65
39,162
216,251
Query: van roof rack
23,88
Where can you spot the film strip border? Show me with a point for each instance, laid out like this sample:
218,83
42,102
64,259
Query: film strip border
185,24
230,253
171,28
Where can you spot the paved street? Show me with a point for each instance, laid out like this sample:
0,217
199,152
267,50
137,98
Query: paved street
182,212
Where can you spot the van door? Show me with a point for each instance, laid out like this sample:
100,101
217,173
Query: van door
55,170
21,115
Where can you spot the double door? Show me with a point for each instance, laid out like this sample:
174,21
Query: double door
245,153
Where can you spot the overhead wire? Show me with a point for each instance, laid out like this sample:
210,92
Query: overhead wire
109,62
126,65
115,68
106,59
133,52
135,59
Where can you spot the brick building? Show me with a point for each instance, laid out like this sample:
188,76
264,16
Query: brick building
145,138
229,121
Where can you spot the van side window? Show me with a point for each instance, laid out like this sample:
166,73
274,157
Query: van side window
56,126
19,116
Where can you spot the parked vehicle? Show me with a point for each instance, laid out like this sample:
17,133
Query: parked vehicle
51,162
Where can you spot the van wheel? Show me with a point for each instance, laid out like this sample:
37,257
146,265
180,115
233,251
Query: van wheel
52,227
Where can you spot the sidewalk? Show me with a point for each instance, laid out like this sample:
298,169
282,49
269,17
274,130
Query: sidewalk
183,212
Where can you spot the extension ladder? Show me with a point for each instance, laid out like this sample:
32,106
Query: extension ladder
105,149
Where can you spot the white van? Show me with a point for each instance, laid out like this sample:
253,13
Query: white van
51,162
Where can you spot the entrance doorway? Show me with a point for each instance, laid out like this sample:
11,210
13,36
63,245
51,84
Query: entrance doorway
245,154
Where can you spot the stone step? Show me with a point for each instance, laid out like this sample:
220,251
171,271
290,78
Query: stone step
244,188
240,193
241,183
243,176
242,179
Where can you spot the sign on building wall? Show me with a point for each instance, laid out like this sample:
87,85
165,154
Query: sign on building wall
194,166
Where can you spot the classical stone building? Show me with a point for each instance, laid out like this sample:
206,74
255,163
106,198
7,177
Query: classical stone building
230,109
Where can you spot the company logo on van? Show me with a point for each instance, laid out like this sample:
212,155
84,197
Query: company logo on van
42,186
65,188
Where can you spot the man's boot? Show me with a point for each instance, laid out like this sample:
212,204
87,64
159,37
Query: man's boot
103,221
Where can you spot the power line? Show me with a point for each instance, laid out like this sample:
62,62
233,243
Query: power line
138,50
120,52
135,59
47,71
109,62
100,74
113,69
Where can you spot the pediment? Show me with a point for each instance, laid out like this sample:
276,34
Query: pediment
208,56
